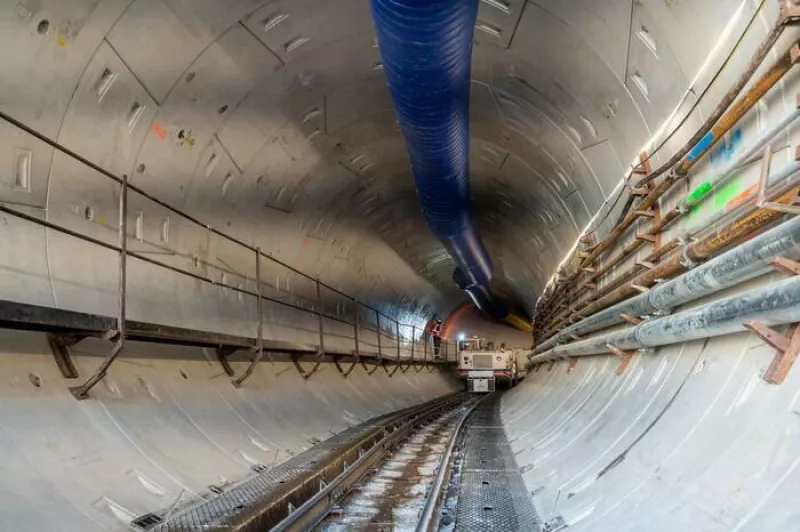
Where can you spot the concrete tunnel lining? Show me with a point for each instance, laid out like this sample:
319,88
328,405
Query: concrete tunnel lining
271,120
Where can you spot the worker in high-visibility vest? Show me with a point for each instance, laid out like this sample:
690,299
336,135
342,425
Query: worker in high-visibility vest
436,334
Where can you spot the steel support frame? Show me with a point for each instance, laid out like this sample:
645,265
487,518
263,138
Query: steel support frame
356,351
624,356
787,347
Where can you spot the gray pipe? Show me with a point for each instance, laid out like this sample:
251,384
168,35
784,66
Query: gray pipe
741,263
775,304
785,173
757,146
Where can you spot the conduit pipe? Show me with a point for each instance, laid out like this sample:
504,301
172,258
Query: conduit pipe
702,144
785,172
694,252
701,193
426,49
776,304
724,216
735,266
725,124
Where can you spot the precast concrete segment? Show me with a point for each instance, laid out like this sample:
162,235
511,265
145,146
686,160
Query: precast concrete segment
164,428
691,438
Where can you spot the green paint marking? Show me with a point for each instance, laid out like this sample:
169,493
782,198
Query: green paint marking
698,193
727,193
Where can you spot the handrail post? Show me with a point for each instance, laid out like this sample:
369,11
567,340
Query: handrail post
397,339
259,348
378,329
355,328
319,315
82,392
413,336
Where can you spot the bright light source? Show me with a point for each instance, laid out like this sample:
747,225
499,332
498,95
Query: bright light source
462,336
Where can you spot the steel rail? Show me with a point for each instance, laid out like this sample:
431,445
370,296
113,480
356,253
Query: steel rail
429,519
315,509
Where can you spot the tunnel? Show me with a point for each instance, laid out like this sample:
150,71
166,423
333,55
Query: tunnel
218,255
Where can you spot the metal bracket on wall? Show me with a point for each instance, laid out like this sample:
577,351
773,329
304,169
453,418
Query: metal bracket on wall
764,202
573,361
258,353
307,374
355,362
789,12
625,358
60,344
82,392
223,352
786,345
375,367
633,320
787,266
394,370
258,349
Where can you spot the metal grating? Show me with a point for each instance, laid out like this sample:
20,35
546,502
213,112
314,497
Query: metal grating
228,507
492,495
216,513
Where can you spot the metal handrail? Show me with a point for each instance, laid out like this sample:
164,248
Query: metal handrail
81,392
66,151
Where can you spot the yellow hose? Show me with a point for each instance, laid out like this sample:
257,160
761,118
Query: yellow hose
518,323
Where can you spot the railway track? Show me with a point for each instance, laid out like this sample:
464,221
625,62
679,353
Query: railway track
403,491
392,473
395,485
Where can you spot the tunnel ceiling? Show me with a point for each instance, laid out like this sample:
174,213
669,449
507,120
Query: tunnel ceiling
273,120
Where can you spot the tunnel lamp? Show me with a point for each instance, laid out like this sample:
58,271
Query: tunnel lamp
462,336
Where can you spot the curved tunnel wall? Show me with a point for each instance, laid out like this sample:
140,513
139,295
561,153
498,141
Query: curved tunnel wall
290,100
164,427
689,437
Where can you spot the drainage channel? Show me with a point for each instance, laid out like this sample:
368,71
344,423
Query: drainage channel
402,492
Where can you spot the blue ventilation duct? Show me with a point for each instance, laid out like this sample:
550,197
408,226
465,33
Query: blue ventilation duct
426,47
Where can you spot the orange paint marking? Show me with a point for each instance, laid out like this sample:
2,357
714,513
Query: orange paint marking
159,130
742,197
